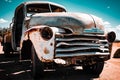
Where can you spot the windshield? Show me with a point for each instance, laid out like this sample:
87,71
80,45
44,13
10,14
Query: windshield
37,8
42,8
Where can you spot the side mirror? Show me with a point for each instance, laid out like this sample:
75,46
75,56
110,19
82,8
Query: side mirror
111,36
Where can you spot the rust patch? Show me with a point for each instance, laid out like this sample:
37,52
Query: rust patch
32,30
46,51
27,23
46,60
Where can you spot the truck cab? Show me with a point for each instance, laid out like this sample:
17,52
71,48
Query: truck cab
21,18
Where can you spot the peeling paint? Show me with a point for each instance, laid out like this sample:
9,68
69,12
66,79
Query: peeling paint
44,49
63,44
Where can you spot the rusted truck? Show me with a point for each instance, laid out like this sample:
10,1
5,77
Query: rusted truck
67,39
20,21
52,40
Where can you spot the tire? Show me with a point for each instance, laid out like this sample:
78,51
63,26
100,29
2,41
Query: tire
37,65
26,48
7,49
95,69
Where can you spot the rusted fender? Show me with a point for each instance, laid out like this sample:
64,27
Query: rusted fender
44,48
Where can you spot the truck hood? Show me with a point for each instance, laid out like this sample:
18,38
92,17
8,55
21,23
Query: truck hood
75,23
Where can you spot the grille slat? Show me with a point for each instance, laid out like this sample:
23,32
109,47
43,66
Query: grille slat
69,44
76,39
78,54
80,44
80,49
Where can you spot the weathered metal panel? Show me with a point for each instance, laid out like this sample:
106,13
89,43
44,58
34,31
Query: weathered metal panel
44,49
87,39
87,21
77,45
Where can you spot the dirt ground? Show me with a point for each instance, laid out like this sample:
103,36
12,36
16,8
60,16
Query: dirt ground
112,67
111,70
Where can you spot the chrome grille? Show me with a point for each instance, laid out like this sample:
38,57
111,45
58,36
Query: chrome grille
75,45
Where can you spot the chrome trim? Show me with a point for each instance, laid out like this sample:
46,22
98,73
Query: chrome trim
82,54
79,45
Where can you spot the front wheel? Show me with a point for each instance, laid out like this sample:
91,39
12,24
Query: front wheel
7,49
95,68
37,65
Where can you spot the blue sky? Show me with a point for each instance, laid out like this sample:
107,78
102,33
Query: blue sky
107,10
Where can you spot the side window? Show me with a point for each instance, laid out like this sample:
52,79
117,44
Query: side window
57,9
20,16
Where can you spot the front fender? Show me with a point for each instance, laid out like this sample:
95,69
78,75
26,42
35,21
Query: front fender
44,48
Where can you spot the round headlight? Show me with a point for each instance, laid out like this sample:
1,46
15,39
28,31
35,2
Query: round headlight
111,36
46,33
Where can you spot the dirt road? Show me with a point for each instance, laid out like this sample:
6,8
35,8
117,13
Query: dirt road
12,69
111,70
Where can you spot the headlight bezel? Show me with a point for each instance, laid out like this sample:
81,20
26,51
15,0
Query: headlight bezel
46,33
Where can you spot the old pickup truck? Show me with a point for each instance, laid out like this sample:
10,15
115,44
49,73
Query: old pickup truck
21,18
52,40
67,39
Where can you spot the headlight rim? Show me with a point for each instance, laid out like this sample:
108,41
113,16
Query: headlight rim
46,33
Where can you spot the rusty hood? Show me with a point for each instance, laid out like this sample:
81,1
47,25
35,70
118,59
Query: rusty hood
77,23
